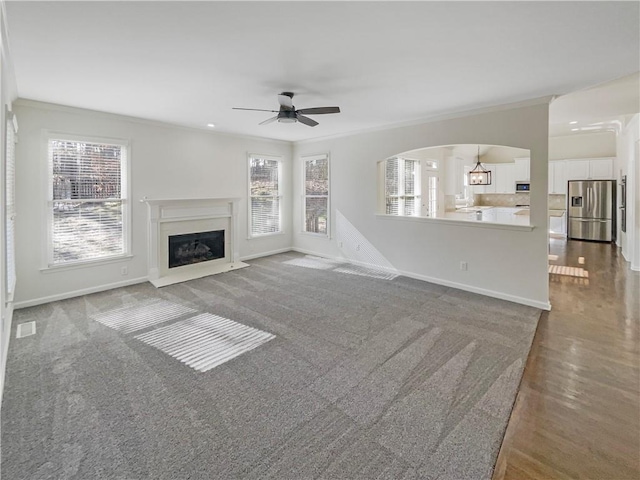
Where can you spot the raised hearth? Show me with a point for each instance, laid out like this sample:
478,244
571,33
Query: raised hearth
192,238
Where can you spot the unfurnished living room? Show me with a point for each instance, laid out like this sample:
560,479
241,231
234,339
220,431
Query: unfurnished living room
320,240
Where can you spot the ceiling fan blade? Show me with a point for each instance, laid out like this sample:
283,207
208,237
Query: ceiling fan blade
319,110
306,120
269,120
255,109
286,101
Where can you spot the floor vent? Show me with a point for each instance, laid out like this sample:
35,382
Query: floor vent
205,341
26,329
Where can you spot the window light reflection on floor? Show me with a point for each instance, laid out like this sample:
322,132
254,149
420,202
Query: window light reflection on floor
130,318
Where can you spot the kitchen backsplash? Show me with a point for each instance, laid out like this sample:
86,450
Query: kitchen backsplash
556,202
501,199
449,203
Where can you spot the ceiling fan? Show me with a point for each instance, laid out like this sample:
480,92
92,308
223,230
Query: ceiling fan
289,114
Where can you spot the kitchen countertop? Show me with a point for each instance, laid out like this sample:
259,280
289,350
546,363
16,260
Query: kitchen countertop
556,213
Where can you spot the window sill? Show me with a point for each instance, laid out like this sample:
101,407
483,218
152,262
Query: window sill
274,234
86,264
459,223
316,235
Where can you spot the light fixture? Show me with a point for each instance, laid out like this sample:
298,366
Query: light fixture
479,175
573,123
211,125
575,129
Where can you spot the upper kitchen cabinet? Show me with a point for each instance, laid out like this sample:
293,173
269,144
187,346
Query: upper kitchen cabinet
505,177
522,170
577,169
454,176
601,169
558,177
590,169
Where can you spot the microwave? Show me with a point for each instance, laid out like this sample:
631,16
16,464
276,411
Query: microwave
523,187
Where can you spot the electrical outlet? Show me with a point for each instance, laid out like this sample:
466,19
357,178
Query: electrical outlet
463,266
124,271
340,244
358,247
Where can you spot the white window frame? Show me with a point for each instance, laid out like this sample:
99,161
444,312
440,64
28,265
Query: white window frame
278,159
417,196
431,175
125,194
305,159
11,138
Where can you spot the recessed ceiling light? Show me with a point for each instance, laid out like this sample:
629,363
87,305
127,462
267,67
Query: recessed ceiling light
575,129
573,123
211,125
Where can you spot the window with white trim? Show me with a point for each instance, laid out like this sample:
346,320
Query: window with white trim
88,208
10,204
402,186
265,178
316,194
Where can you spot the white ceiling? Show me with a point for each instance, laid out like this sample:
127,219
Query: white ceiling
597,109
383,63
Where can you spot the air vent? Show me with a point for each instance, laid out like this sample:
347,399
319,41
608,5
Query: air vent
26,329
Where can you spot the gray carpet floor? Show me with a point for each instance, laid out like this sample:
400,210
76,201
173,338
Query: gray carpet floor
363,376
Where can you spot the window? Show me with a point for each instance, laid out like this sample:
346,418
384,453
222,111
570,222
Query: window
10,204
87,200
431,179
264,190
316,194
402,186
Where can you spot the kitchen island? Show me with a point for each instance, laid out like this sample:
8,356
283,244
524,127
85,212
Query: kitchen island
503,215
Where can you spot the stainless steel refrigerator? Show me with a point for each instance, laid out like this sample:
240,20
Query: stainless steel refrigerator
592,210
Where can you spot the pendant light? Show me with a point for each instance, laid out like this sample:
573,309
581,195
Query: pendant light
479,175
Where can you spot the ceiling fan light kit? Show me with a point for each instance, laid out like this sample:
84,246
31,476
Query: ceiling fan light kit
289,114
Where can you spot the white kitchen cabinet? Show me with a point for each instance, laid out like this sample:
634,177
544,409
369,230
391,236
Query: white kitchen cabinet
577,169
557,224
454,172
522,173
558,177
601,169
590,169
505,178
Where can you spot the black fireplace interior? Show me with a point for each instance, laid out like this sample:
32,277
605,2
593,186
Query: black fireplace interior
195,248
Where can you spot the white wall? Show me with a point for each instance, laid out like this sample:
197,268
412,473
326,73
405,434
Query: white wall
584,145
7,94
166,162
628,163
504,263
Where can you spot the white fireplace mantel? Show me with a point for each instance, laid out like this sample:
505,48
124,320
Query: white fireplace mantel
190,215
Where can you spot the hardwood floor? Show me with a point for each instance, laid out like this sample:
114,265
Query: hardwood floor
577,414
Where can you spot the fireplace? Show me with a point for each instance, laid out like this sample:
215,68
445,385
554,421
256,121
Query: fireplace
192,238
190,248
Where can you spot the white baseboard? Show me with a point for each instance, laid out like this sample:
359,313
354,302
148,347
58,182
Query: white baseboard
6,337
78,293
439,281
265,254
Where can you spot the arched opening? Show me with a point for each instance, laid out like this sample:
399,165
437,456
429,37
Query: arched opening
435,182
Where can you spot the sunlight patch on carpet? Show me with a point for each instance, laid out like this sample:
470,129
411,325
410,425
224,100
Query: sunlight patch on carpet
319,263
205,341
131,318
